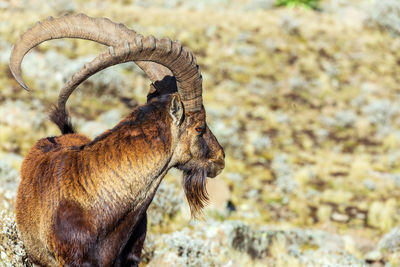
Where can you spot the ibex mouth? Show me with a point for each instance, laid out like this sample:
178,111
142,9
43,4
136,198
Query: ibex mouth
215,168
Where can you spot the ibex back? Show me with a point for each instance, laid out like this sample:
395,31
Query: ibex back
83,202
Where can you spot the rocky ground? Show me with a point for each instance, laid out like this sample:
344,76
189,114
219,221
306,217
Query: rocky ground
304,102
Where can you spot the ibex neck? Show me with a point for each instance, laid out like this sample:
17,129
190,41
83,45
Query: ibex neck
129,162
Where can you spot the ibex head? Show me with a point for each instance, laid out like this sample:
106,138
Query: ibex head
199,155
175,78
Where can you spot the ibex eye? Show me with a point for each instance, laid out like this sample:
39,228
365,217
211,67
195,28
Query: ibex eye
201,130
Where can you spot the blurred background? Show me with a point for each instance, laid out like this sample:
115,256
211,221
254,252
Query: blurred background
302,94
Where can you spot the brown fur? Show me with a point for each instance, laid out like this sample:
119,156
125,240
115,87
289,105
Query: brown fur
83,202
61,120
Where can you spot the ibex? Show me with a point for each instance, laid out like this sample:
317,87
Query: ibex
83,202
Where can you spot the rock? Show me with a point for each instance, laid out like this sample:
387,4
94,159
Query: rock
93,128
179,249
12,249
373,256
9,175
290,25
260,4
385,14
166,204
51,70
111,117
339,217
245,239
326,257
284,174
390,241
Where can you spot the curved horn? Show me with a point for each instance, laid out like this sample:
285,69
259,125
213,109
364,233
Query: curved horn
80,26
171,55
165,52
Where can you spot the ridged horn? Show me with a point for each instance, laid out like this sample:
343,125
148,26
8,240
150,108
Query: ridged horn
165,52
80,26
125,45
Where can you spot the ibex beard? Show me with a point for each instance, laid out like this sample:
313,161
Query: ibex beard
194,184
83,202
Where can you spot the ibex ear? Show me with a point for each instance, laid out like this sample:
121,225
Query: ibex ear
176,109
